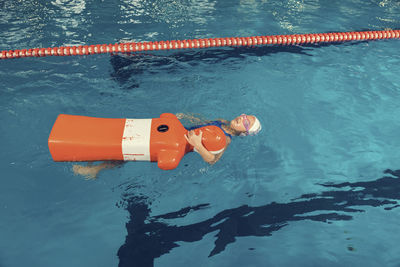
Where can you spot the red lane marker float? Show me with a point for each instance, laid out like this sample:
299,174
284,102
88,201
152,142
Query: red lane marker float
201,43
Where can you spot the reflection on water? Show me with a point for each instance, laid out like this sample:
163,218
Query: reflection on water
70,19
70,6
22,21
149,237
172,13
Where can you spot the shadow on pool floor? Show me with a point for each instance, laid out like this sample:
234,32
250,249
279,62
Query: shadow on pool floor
149,238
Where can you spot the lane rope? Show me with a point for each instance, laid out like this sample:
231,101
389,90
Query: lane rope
294,39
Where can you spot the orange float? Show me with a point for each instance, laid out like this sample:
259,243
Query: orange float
162,140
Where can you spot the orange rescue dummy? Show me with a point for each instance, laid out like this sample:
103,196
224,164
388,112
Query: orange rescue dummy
80,138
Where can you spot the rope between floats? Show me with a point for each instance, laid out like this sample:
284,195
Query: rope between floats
294,39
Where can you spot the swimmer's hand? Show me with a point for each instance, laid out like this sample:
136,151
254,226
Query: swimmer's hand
193,139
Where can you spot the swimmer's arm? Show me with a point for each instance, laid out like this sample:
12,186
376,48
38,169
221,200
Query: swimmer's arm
205,154
219,155
208,156
195,140
189,117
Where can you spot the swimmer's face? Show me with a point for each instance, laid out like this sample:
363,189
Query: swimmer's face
238,123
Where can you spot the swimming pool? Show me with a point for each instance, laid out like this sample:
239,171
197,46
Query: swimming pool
320,184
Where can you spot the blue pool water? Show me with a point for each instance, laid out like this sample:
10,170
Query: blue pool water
320,185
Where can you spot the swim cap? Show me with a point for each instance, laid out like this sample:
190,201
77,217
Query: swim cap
255,129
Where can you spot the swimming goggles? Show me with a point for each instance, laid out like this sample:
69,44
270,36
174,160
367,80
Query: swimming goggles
246,123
